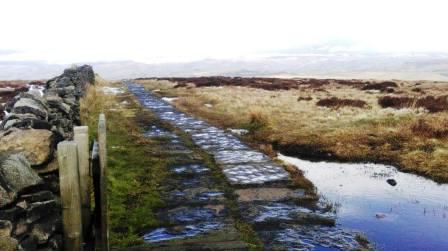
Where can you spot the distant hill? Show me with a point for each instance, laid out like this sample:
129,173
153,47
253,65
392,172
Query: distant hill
416,66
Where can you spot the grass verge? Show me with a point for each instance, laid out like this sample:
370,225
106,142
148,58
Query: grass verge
134,173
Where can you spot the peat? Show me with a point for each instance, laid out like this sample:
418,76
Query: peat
337,102
431,103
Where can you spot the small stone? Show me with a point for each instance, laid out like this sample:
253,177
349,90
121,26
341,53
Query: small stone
29,243
380,215
28,105
11,214
55,242
21,228
22,204
39,210
5,228
391,182
15,175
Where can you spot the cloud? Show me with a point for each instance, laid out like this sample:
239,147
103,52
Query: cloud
179,30
4,52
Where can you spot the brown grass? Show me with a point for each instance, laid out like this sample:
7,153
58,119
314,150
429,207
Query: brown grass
298,178
431,127
377,134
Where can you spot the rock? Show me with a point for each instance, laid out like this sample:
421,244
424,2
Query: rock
29,243
25,121
35,144
57,103
43,231
72,82
38,210
11,214
80,76
15,175
64,82
9,244
2,112
380,215
55,242
38,196
21,228
6,197
5,228
50,167
391,182
28,105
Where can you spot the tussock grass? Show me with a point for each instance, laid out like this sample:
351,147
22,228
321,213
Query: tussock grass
410,137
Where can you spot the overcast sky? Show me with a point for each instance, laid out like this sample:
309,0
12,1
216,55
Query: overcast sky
62,31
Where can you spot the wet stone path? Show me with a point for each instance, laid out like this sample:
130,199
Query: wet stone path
265,197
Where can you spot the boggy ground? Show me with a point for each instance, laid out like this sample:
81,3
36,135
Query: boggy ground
166,193
261,195
397,122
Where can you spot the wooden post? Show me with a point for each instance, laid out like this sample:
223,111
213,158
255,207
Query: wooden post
102,151
70,197
81,137
95,167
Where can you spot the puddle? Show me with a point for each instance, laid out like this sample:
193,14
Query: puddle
112,90
208,196
281,212
36,90
189,169
191,215
412,215
168,99
155,132
239,132
312,238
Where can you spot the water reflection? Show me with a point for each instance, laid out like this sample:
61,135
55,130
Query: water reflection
412,215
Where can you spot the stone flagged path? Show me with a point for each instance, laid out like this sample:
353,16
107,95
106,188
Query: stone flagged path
194,216
265,198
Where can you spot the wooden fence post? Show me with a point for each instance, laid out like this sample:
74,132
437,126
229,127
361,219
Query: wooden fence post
95,167
81,137
70,197
102,151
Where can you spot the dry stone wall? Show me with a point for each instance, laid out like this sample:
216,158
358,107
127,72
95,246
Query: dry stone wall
30,211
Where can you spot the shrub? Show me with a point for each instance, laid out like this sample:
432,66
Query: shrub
383,86
257,121
308,98
395,102
337,102
431,103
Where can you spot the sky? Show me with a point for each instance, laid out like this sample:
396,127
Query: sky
151,31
